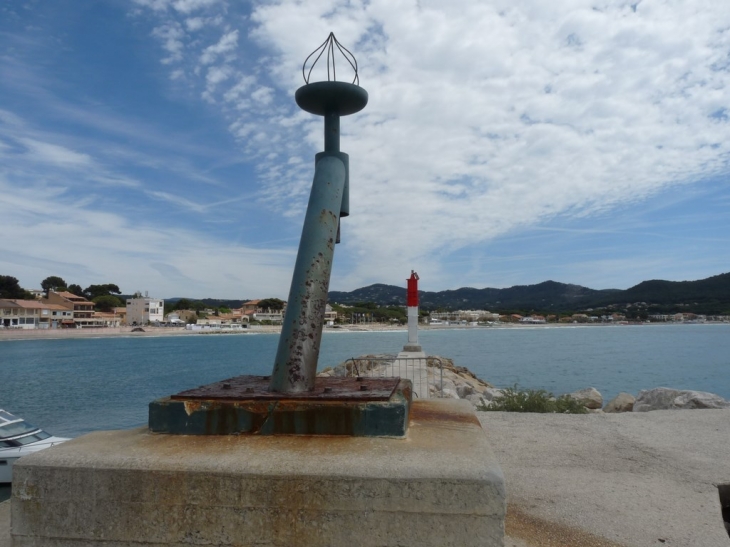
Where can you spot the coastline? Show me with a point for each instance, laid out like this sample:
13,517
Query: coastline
111,332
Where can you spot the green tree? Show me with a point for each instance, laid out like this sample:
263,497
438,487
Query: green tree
53,282
198,306
76,289
93,291
107,302
271,304
366,305
182,304
9,288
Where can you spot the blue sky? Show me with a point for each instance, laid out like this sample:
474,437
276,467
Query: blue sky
156,144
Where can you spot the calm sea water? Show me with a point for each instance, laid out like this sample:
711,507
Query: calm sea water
71,387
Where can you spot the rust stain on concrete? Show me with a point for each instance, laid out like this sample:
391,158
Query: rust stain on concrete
535,532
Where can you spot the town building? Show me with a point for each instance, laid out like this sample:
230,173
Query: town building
254,312
469,316
82,310
60,317
23,314
143,310
121,313
181,316
224,321
107,319
330,315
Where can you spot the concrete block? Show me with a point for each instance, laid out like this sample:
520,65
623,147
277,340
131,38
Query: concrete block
438,487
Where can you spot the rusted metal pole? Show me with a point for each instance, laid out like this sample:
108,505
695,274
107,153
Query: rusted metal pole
295,367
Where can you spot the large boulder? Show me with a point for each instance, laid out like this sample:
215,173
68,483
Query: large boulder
623,402
664,398
491,393
464,390
477,400
589,397
700,399
659,398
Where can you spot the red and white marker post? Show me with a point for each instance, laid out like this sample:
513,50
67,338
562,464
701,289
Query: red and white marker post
412,303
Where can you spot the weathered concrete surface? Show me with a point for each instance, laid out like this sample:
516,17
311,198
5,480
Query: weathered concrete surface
633,479
5,523
439,487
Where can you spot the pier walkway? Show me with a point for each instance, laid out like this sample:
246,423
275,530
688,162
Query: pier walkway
604,480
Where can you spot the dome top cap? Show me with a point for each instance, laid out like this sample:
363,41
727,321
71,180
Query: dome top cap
334,50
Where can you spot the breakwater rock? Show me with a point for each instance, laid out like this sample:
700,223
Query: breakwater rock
623,402
664,398
589,397
445,379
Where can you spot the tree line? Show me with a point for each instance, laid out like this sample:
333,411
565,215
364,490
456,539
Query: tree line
105,296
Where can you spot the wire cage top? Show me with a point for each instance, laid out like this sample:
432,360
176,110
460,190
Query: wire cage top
333,49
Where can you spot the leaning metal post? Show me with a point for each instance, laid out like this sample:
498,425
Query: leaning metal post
295,367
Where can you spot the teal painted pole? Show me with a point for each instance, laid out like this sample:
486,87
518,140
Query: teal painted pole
331,132
295,367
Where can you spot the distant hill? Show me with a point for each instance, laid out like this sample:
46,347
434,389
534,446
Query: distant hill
549,295
711,296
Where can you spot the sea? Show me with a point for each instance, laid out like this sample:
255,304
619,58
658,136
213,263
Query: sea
73,386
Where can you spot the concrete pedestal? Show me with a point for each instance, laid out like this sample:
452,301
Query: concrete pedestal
441,486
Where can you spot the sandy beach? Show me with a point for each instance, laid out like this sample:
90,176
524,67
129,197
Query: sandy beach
56,334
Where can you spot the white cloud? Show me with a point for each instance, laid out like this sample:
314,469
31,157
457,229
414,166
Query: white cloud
263,95
172,36
485,117
194,23
156,5
227,44
54,154
86,245
178,201
189,6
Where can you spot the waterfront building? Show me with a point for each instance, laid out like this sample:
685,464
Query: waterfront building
121,313
275,316
464,315
533,319
250,307
82,310
181,317
330,315
23,314
223,321
107,319
60,317
142,310
252,311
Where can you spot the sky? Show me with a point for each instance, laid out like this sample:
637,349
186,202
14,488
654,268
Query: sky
156,144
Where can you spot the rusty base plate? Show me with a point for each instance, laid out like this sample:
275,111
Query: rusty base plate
367,407
242,388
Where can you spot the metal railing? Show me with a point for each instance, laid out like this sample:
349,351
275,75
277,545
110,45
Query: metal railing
416,369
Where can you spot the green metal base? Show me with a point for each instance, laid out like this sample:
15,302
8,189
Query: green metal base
335,411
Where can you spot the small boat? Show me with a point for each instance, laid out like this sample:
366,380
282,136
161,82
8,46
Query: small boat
19,438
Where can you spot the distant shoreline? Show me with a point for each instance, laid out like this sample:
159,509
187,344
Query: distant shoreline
113,332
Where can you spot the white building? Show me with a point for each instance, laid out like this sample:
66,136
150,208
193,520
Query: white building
142,310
